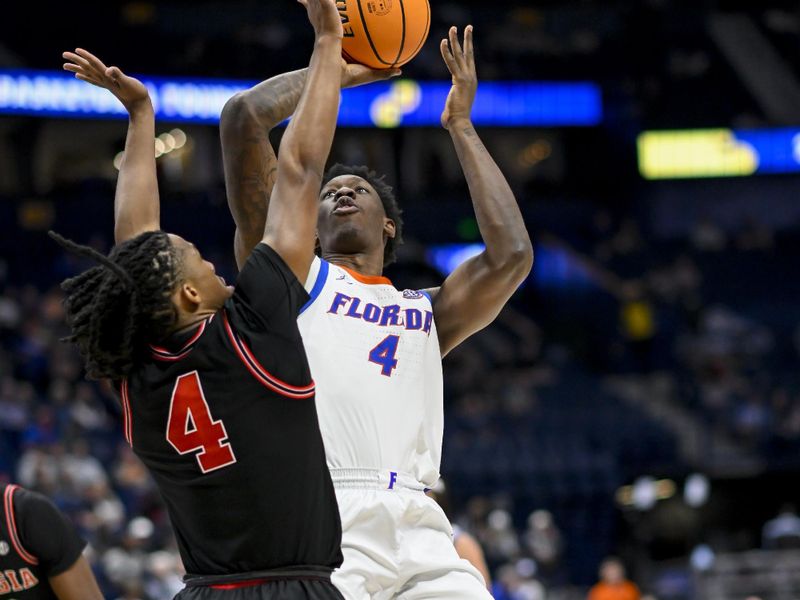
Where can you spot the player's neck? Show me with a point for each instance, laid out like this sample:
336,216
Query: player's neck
366,264
188,321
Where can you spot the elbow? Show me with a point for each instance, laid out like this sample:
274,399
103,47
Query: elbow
521,260
513,265
237,113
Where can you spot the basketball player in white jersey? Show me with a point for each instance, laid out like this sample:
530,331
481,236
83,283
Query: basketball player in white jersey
375,351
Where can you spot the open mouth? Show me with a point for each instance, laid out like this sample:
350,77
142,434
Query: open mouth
345,206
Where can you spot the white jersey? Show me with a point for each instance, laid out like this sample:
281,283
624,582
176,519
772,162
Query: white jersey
374,356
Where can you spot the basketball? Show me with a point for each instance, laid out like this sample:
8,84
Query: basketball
383,34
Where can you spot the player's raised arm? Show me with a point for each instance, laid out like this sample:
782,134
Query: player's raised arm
136,205
249,159
473,295
292,220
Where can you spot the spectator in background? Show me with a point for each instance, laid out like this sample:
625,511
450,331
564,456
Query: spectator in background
613,584
783,531
518,582
543,539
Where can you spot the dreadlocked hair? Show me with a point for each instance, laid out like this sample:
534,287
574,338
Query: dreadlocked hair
386,193
117,307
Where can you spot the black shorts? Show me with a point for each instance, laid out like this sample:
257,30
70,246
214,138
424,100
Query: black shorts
315,586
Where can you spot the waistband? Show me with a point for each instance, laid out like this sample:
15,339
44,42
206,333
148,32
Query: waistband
237,580
374,479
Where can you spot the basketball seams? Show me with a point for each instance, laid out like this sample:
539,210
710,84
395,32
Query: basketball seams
369,37
402,34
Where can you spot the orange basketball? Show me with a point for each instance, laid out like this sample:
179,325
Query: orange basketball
383,33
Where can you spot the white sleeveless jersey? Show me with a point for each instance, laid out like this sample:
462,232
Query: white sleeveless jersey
374,356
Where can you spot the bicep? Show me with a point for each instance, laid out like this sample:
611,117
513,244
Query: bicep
470,299
292,221
76,583
126,229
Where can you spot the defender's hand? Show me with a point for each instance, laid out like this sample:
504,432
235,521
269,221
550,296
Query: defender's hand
87,67
354,75
324,17
465,80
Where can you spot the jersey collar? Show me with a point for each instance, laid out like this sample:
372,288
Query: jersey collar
162,353
368,279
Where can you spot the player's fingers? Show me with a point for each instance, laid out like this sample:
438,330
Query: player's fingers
93,60
386,73
469,50
455,47
448,57
78,60
73,68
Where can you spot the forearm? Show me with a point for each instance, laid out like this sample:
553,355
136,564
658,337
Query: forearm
497,212
136,203
248,157
270,102
292,219
308,139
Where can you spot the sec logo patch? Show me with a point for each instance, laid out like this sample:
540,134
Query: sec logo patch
4,548
412,295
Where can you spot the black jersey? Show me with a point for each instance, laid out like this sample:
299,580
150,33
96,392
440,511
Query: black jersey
36,542
224,418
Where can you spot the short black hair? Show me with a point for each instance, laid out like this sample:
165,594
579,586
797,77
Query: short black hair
116,308
386,194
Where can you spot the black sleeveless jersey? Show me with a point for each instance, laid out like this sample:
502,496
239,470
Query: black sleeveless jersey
224,418
36,542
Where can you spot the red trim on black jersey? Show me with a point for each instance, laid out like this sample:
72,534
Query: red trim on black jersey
239,584
127,421
11,523
260,373
163,354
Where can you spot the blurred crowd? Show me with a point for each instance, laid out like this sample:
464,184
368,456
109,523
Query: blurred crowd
536,446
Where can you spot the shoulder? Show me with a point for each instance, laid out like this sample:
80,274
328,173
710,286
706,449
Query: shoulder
27,503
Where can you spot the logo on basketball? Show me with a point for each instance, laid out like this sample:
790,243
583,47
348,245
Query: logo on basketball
4,548
379,8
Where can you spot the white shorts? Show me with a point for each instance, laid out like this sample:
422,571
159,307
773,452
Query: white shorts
397,542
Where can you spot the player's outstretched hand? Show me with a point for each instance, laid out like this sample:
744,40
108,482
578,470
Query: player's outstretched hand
354,75
325,18
87,67
461,63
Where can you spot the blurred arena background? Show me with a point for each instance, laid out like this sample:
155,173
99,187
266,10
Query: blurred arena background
641,396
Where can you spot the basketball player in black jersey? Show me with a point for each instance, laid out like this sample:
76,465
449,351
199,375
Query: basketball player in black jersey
217,396
40,551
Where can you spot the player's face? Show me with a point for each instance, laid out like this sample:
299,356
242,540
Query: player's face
351,217
200,280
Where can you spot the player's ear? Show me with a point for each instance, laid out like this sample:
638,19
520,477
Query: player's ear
389,229
189,297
